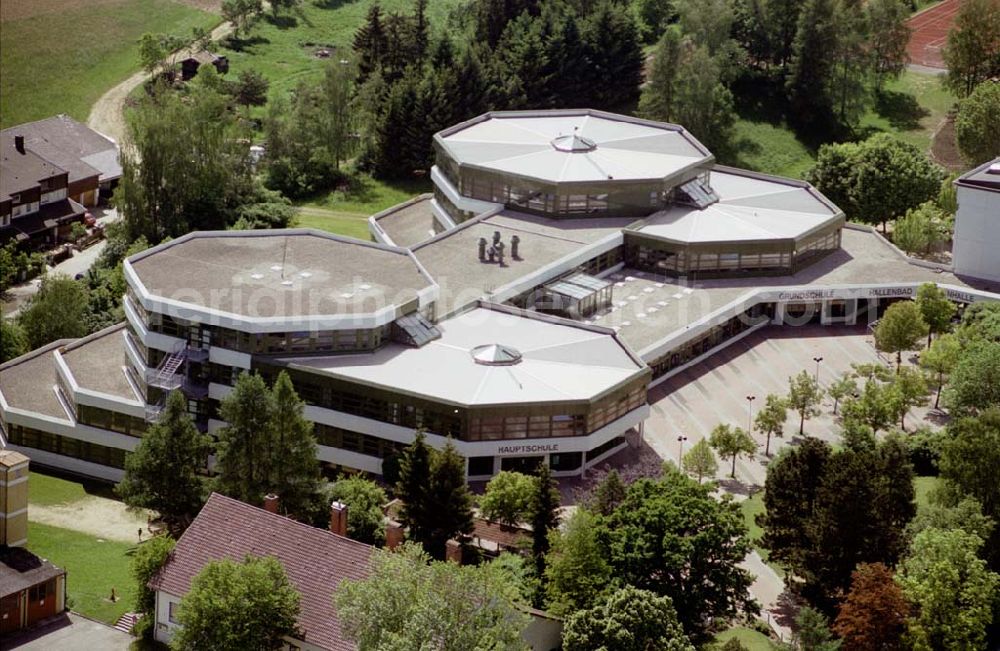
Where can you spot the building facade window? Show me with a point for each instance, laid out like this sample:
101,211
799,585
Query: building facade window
66,446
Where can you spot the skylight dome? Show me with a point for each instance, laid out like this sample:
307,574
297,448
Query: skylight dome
573,143
496,355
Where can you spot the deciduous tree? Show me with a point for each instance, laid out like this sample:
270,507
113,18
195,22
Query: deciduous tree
576,570
900,328
974,384
975,124
936,309
407,600
673,538
843,387
972,52
804,396
771,419
873,614
13,343
888,37
165,471
508,498
149,557
700,460
57,311
731,441
921,229
951,588
908,389
628,619
364,499
237,605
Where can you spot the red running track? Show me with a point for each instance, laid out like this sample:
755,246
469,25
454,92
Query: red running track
930,32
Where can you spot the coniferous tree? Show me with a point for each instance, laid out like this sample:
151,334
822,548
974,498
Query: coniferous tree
544,515
296,476
370,43
888,37
811,65
421,31
614,56
164,472
243,470
449,506
609,493
414,486
659,96
851,63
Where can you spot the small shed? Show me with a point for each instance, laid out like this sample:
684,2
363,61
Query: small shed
190,65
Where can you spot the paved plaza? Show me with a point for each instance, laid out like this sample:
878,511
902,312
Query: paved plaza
715,391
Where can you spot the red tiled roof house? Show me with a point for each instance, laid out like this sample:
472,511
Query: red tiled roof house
315,560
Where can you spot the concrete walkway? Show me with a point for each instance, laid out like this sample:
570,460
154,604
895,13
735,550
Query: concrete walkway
69,632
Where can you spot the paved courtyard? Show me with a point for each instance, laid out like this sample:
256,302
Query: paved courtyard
693,402
69,632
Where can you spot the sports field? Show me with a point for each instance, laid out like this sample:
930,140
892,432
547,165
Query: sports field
930,32
59,56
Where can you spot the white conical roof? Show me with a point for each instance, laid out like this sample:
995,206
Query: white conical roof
495,355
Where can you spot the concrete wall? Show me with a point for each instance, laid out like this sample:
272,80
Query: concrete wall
976,250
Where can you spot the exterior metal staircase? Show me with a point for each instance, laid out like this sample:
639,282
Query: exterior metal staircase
167,375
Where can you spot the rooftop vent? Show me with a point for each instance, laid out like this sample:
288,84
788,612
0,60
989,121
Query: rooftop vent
495,355
573,143
993,169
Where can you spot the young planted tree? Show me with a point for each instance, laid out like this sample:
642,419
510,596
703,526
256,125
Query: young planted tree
804,396
872,407
939,359
164,472
237,605
843,387
771,419
508,498
873,614
700,461
921,229
935,308
731,441
907,390
628,619
576,570
902,327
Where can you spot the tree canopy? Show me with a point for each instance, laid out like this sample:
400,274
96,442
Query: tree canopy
873,614
407,599
901,328
628,619
508,498
364,499
731,441
57,311
975,124
237,605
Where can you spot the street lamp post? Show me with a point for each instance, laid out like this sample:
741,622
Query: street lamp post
817,360
680,453
750,400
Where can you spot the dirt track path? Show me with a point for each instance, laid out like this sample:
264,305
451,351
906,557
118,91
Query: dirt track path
106,115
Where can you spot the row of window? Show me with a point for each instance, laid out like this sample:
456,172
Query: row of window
373,446
66,446
711,338
111,420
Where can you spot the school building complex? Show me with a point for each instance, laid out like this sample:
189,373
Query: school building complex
566,262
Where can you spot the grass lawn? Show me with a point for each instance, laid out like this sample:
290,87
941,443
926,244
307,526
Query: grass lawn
283,50
923,486
49,490
93,568
749,638
61,62
911,108
347,212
